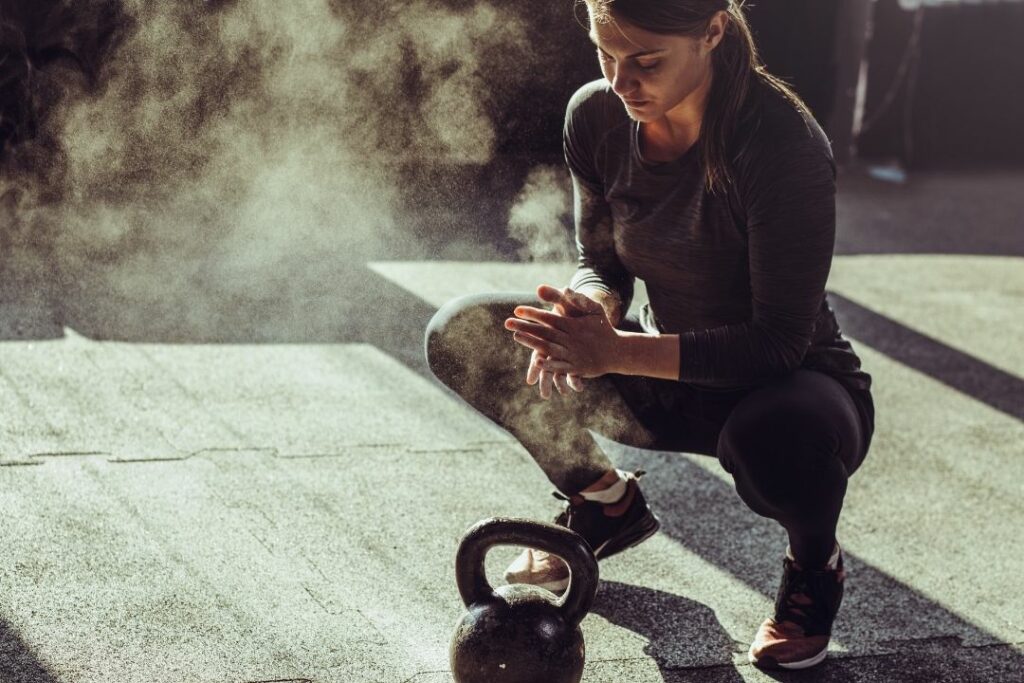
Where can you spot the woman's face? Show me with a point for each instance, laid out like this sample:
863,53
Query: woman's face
651,72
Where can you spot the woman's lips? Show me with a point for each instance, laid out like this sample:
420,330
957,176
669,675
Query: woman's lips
635,103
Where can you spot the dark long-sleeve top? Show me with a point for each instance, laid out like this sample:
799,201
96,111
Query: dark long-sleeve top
740,275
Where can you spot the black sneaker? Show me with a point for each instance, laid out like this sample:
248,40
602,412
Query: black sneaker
608,529
797,636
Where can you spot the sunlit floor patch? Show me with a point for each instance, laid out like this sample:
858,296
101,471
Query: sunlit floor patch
74,396
971,303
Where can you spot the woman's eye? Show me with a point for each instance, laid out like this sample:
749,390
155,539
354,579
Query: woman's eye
644,67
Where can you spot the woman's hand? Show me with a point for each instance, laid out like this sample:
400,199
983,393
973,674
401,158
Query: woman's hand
562,381
568,304
585,344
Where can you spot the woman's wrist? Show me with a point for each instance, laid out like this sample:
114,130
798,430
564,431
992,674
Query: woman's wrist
647,355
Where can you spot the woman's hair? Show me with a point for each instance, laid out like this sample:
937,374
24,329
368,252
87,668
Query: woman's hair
736,63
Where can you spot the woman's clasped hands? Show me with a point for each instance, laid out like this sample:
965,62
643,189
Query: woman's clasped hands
572,341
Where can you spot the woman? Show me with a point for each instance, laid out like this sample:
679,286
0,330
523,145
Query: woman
698,172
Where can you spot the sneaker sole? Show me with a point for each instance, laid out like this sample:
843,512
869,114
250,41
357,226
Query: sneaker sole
772,663
555,587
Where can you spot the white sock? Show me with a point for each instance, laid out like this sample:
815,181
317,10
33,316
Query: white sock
833,560
612,494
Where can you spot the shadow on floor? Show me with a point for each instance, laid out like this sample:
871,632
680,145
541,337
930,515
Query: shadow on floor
17,662
669,623
387,317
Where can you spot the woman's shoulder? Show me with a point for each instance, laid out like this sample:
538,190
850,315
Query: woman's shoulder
593,112
772,123
778,140
590,98
595,106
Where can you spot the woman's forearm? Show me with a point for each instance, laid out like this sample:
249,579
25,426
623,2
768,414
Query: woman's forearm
648,355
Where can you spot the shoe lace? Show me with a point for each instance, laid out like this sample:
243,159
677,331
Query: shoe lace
575,503
802,599
565,517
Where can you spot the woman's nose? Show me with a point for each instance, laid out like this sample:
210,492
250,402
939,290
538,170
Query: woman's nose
623,84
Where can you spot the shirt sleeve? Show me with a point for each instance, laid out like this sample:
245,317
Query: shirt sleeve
598,267
788,197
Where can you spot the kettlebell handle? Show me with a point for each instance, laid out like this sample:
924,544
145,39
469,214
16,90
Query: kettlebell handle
570,546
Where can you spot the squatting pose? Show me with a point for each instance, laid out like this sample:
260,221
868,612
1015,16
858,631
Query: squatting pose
700,173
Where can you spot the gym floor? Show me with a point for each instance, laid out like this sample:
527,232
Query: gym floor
272,487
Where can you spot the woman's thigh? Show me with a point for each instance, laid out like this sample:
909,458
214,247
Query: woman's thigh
470,351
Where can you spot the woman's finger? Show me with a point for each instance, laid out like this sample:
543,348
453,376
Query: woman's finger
554,365
560,383
545,384
541,316
533,372
538,330
545,348
550,294
568,297
575,381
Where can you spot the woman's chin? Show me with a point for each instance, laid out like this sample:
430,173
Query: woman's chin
642,116
642,111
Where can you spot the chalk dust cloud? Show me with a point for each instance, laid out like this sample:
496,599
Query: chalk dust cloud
182,159
538,215
172,170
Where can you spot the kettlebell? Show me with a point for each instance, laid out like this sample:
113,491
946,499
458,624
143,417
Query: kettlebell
520,633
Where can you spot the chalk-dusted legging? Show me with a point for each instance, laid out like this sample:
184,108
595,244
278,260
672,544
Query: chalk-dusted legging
790,445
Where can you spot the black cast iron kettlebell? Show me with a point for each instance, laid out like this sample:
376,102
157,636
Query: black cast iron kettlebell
519,633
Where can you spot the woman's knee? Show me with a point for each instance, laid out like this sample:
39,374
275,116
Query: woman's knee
468,332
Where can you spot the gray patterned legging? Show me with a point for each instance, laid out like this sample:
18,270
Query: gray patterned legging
790,445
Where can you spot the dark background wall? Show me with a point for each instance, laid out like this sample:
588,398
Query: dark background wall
966,104
796,39
960,106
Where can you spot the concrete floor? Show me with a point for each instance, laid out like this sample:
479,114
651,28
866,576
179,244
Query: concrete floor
285,505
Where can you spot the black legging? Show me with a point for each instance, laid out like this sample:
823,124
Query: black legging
790,444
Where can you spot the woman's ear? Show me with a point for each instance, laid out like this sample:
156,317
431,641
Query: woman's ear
716,30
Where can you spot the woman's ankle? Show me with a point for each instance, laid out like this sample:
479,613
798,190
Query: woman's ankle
608,489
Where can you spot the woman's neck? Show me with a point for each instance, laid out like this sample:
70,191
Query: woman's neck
680,126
